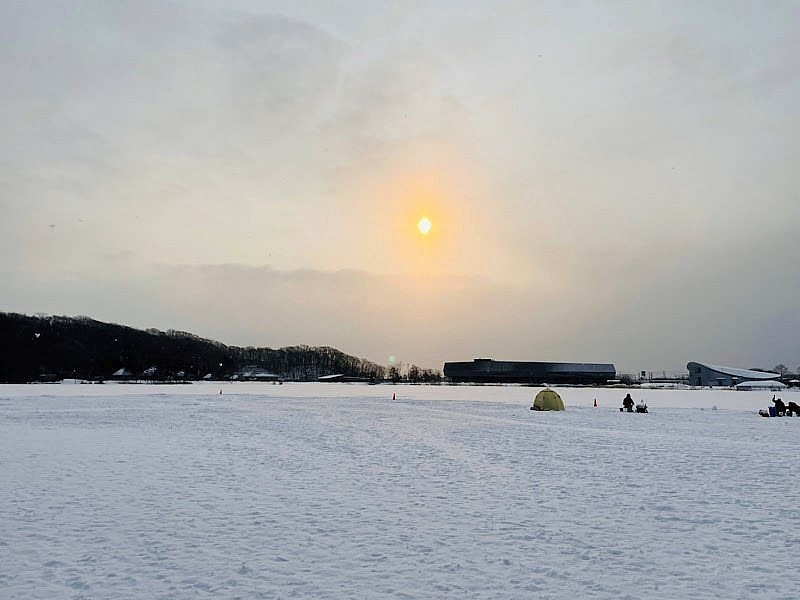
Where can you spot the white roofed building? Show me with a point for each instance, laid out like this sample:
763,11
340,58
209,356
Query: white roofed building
761,386
706,375
256,373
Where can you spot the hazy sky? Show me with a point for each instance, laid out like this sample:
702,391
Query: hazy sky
607,181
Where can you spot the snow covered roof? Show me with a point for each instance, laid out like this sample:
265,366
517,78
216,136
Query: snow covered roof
760,385
740,373
256,373
330,377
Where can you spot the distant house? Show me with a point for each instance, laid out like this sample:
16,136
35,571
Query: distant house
341,378
255,373
706,375
123,374
763,386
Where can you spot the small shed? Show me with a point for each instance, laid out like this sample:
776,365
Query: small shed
256,373
123,374
771,386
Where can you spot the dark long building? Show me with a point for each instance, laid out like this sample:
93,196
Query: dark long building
486,370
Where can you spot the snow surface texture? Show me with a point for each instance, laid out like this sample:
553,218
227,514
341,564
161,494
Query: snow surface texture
336,491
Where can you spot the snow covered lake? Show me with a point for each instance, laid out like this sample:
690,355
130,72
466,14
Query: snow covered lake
336,491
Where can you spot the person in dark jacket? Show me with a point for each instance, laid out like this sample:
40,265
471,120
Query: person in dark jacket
627,403
780,407
792,409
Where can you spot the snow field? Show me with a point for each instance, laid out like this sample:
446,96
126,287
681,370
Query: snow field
335,491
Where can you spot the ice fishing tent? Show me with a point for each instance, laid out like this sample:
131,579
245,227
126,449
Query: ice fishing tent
547,399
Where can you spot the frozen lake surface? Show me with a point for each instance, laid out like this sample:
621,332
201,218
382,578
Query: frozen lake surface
336,491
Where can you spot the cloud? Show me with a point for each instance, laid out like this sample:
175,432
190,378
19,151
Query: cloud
606,184
258,50
424,320
414,318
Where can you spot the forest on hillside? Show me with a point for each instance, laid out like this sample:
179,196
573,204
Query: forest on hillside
49,348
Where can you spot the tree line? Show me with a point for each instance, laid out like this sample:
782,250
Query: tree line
413,374
41,347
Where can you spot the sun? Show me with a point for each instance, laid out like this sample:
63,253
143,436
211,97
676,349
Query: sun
424,225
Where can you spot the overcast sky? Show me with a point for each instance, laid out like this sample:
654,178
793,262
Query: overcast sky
606,181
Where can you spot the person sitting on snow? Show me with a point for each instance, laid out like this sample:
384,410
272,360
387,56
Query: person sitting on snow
792,409
627,403
780,407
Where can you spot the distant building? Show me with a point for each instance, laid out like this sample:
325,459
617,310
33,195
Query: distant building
123,374
761,386
486,370
255,373
341,378
705,375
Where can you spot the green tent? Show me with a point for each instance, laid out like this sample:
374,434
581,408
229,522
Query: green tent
547,399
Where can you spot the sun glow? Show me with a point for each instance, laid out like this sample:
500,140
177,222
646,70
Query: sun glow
424,225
